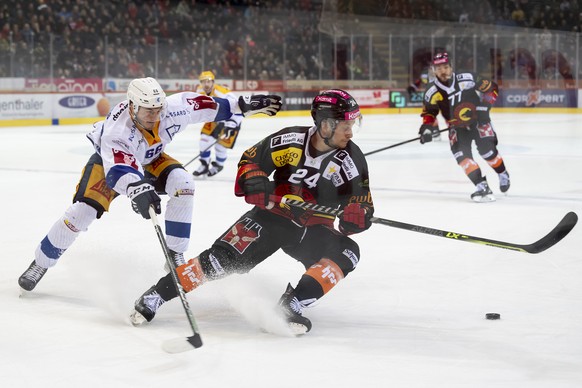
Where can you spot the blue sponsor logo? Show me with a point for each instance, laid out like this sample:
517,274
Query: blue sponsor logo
76,102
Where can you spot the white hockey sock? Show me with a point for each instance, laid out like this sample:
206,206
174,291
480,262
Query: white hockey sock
180,189
63,233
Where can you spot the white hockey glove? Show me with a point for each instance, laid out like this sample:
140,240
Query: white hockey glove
142,196
259,103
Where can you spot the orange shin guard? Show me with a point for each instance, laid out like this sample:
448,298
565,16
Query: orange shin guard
191,275
326,273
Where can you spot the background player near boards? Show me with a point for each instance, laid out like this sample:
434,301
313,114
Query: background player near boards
221,135
464,100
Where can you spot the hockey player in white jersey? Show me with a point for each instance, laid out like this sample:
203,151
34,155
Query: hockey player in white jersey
222,135
129,159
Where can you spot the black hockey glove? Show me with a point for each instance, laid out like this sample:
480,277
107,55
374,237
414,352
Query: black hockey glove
257,190
355,219
425,133
260,103
142,196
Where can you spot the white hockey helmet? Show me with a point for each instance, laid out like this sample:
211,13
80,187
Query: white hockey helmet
147,93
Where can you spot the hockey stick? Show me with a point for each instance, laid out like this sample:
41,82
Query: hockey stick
553,237
201,152
399,144
179,344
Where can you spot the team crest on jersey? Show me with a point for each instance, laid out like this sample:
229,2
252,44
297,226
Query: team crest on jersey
242,234
288,138
171,131
332,173
286,156
465,112
120,157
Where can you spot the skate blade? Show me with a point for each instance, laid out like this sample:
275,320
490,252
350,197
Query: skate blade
297,329
23,293
137,319
484,198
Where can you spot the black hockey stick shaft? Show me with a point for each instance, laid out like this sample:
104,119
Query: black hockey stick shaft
201,152
399,144
552,238
195,340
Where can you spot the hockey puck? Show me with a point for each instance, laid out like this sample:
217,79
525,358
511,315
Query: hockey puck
493,316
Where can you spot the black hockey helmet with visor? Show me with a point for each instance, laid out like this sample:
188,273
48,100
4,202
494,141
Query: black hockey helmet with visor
335,105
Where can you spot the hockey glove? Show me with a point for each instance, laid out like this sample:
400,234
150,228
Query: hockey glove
425,133
260,103
257,190
142,196
355,219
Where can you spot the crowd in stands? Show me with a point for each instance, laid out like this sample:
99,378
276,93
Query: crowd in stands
180,38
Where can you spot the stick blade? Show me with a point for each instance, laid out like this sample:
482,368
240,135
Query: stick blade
556,235
180,345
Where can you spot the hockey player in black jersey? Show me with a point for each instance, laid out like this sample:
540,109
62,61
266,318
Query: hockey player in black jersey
318,164
465,100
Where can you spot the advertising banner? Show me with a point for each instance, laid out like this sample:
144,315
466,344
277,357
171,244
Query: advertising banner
538,98
64,85
25,106
401,98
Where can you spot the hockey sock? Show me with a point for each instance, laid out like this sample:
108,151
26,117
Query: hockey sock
472,170
317,281
497,164
191,275
180,189
63,233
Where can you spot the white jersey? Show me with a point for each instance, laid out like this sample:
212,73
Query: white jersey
223,92
125,149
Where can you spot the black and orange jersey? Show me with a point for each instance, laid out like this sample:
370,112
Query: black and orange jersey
334,178
458,102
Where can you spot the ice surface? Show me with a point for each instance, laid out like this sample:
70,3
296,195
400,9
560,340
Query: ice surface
411,315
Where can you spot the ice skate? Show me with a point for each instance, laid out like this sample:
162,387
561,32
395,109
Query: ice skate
146,307
202,169
483,193
30,278
504,181
178,259
215,169
292,308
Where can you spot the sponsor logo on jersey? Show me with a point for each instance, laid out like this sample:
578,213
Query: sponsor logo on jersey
178,113
251,152
76,102
122,108
464,76
120,157
367,199
288,138
332,173
286,156
242,234
341,155
350,168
